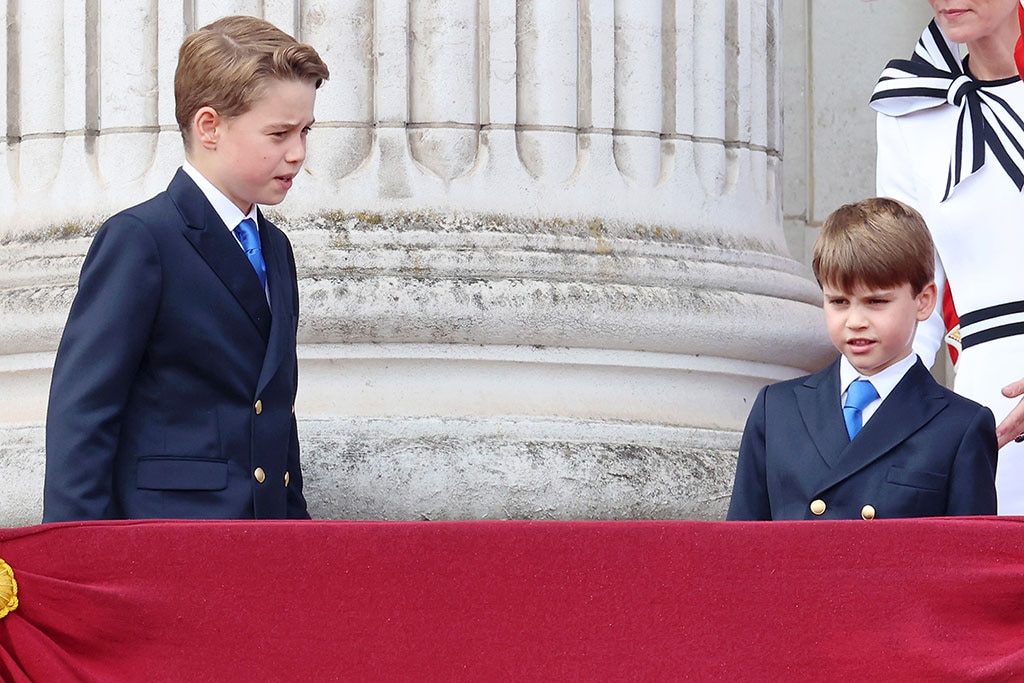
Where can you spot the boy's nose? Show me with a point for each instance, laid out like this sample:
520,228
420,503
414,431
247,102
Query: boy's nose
856,319
296,152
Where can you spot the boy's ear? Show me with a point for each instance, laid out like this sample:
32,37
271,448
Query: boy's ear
206,127
926,300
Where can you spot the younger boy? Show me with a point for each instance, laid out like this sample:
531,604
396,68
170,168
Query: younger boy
174,384
921,450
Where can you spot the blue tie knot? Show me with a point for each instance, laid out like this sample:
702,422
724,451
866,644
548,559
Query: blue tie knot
858,396
249,237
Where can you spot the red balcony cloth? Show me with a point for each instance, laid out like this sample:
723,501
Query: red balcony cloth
930,599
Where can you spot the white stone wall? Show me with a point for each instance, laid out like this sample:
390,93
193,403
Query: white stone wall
834,53
540,244
433,104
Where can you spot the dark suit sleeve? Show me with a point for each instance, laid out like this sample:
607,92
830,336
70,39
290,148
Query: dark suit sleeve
100,352
972,488
296,499
750,488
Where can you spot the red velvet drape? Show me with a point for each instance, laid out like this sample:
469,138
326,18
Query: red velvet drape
932,599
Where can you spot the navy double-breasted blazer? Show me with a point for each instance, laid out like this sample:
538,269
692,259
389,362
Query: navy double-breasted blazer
925,452
174,384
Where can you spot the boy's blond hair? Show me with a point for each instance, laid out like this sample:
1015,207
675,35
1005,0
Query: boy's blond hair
225,65
876,243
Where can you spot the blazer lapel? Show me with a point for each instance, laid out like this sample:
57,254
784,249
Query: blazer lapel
912,404
282,295
207,233
818,401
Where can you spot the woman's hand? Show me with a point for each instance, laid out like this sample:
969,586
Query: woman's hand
1012,426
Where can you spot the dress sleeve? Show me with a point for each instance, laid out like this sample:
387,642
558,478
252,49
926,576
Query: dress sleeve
932,332
894,178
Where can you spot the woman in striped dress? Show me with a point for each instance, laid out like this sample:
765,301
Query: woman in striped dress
951,144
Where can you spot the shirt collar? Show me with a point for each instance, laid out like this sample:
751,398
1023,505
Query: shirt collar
884,381
225,208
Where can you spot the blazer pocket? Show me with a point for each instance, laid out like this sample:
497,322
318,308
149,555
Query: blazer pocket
162,473
917,479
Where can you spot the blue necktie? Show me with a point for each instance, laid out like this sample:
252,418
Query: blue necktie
250,238
858,396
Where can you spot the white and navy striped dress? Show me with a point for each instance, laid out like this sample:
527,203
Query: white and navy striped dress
976,218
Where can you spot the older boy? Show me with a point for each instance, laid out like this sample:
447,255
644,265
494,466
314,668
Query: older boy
174,385
873,435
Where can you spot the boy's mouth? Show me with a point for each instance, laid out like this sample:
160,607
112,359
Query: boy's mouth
860,344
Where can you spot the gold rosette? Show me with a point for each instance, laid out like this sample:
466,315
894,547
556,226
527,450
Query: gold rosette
8,590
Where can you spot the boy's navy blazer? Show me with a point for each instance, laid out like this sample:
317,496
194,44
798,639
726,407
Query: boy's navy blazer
925,452
174,384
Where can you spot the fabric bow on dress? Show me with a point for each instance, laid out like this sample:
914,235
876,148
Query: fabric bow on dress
935,75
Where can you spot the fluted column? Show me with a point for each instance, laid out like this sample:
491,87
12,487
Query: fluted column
540,248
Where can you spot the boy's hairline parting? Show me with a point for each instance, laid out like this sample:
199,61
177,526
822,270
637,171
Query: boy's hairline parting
224,65
876,242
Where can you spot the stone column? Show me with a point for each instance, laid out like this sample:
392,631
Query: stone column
540,244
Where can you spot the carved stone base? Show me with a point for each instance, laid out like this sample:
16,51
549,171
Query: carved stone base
434,469
514,469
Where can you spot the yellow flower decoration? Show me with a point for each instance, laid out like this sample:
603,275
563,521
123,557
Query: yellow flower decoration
8,590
